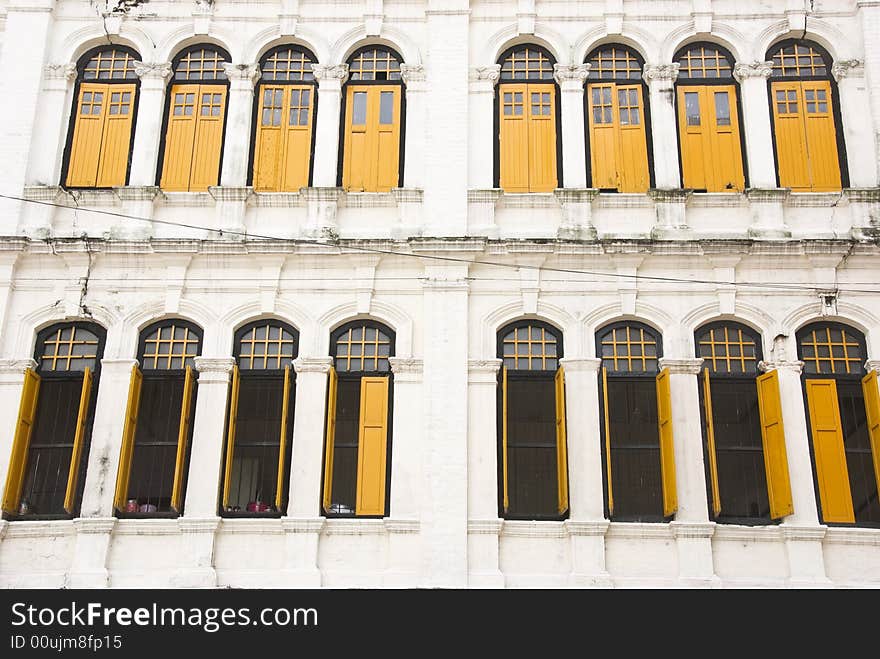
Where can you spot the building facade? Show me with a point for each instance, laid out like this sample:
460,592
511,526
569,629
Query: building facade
393,293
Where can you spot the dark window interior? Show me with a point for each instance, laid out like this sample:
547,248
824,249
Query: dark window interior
857,445
531,447
742,479
257,441
635,449
345,447
51,446
155,444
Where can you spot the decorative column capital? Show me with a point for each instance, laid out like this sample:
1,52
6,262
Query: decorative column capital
661,72
872,365
795,367
413,76
483,371
581,364
330,74
65,71
160,71
571,76
214,369
313,364
483,79
406,365
682,366
242,76
848,68
16,367
755,69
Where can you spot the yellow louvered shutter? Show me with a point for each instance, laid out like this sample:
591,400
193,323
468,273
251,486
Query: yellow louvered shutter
387,150
183,440
775,456
180,138
208,137
710,441
116,142
85,150
607,440
282,446
78,440
791,138
541,108
505,490
831,469
632,158
871,391
27,411
667,449
128,434
330,439
230,434
372,444
514,138
561,443
821,136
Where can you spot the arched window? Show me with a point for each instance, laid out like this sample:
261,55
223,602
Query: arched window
260,420
373,121
708,120
806,122
154,458
843,406
745,443
527,119
356,452
54,427
617,114
101,136
533,451
285,99
195,116
637,406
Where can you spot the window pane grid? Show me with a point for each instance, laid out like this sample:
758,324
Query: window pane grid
796,60
110,65
300,103
530,348
374,64
629,349
170,347
363,348
91,103
729,350
201,64
288,65
832,351
615,63
513,104
704,62
527,64
266,347
69,349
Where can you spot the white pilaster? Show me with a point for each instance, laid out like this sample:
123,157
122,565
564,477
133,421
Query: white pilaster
414,77
861,145
752,77
88,567
236,143
481,121
148,129
571,78
330,80
661,83
50,125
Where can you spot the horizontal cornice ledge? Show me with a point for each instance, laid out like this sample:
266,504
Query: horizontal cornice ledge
313,364
803,533
639,531
45,529
251,526
86,525
147,527
591,528
354,527
682,366
203,525
740,533
533,529
692,529
484,526
3,526
402,526
845,536
302,524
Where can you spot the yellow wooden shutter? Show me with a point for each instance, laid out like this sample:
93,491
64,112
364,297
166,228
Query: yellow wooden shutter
791,138
330,439
514,138
603,135
27,411
821,136
727,162
667,449
79,434
182,440
85,150
541,110
387,139
300,103
180,137
208,137
632,159
282,446
871,391
372,443
710,440
505,491
561,443
269,147
607,440
356,147
694,137
775,456
230,434
116,142
831,469
128,433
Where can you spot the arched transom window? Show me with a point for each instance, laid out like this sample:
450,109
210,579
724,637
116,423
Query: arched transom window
831,350
530,348
110,65
69,348
629,349
527,63
729,349
704,62
172,346
363,348
374,63
287,64
798,60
